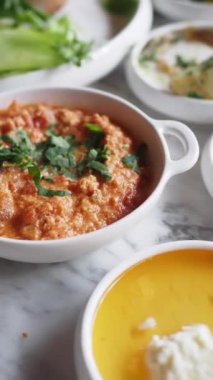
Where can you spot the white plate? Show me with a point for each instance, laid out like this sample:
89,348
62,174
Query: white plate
184,9
196,111
112,38
207,165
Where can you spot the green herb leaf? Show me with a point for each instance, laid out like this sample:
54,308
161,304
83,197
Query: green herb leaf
23,138
92,155
71,160
48,179
51,131
21,9
36,174
19,153
100,168
137,159
56,156
58,141
131,161
94,128
103,154
9,139
184,63
96,135
69,174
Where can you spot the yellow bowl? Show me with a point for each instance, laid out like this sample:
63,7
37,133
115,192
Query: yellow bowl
171,283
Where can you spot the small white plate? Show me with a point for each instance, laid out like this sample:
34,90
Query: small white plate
112,36
184,9
196,111
207,165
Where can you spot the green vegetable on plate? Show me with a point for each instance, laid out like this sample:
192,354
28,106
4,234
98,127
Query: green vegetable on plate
30,39
121,7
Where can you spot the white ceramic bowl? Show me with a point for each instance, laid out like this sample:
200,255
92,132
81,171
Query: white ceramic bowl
143,128
184,9
84,359
207,165
96,25
198,111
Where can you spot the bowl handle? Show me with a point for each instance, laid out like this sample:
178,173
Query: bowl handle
187,138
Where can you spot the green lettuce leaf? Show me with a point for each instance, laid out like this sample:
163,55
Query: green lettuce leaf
31,40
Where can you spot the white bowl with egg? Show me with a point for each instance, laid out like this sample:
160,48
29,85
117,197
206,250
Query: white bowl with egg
138,124
154,90
166,316
185,9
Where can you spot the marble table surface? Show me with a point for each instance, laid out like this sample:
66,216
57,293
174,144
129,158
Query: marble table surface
44,301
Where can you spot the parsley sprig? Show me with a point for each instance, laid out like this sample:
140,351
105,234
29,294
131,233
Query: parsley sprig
184,63
138,159
56,155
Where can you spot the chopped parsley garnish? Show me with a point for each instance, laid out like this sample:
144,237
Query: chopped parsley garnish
94,127
96,135
36,174
136,160
184,63
56,155
100,168
131,161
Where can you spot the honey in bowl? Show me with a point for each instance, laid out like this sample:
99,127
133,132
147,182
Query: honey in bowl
175,289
